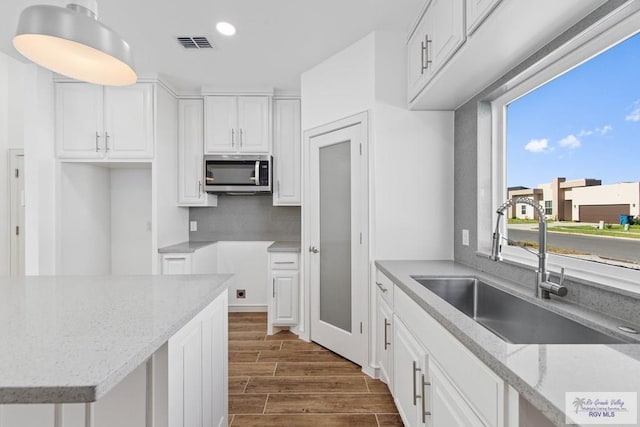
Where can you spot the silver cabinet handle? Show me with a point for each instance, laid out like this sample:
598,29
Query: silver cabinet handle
284,262
415,386
106,141
422,49
382,288
97,142
274,287
425,54
200,187
233,138
386,335
313,249
278,187
424,400
241,137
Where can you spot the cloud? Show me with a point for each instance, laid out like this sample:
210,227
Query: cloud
633,116
570,141
537,145
597,131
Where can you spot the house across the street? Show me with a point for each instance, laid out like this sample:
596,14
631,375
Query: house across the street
583,200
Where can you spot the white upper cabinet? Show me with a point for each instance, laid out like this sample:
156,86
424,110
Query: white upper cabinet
190,155
237,124
477,11
286,152
128,121
95,122
436,37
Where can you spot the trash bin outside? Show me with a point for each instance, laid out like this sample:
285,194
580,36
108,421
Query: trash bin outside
626,219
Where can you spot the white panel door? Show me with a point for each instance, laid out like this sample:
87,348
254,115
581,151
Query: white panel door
286,152
337,239
284,292
384,344
79,120
418,68
214,363
445,31
129,131
477,12
220,122
253,124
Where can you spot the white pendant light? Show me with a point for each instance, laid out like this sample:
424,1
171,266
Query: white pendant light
72,42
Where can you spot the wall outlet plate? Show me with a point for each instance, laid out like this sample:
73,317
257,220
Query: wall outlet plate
465,237
193,225
241,293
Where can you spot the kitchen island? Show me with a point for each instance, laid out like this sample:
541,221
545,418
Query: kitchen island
127,351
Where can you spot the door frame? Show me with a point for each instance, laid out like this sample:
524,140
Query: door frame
304,327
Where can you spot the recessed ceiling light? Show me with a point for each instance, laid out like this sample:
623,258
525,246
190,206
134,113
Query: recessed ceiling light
225,28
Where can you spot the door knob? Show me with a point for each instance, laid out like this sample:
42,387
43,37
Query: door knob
313,249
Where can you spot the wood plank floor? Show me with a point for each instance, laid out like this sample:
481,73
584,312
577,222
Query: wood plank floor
282,381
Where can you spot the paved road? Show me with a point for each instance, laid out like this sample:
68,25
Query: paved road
606,247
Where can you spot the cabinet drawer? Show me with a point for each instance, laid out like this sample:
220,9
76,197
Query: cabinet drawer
484,390
385,287
283,261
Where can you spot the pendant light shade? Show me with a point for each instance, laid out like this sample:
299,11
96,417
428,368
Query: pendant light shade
72,42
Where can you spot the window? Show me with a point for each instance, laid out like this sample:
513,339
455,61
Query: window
523,209
548,207
564,131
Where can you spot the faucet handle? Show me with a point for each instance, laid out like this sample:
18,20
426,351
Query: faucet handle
561,282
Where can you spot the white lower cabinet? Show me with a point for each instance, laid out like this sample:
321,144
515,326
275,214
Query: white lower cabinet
435,380
284,284
197,362
384,341
201,261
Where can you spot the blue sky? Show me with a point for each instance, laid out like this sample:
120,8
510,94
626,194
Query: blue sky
583,124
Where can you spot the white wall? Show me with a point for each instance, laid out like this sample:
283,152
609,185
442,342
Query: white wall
340,86
41,175
131,251
171,222
621,193
84,243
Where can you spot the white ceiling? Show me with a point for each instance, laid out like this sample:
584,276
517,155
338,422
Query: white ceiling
276,41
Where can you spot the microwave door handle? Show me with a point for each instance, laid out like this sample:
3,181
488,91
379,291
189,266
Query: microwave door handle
257,173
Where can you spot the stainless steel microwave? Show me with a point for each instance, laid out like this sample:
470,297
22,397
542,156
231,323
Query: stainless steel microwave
237,174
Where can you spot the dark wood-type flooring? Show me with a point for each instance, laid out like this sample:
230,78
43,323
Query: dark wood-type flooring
280,380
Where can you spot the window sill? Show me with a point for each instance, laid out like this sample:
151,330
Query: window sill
619,280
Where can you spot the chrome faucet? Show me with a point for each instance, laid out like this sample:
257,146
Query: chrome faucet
543,286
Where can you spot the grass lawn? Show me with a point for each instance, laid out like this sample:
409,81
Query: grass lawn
521,221
609,230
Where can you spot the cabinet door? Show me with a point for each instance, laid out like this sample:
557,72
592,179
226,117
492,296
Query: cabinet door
445,404
384,317
176,264
284,293
129,130
445,31
418,68
477,12
186,377
78,120
190,151
407,374
253,124
220,124
214,363
286,152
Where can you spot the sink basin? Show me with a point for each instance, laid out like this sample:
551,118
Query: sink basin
513,319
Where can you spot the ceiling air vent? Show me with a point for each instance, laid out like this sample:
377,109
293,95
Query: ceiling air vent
195,42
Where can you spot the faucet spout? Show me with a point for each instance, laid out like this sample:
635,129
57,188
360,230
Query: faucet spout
543,286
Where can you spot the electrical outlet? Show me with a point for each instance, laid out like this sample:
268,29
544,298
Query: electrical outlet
465,237
193,225
241,293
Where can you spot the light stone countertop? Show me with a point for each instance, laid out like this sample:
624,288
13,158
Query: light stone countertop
284,247
72,339
184,247
540,373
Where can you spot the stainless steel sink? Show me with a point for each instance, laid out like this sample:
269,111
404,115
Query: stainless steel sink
513,319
